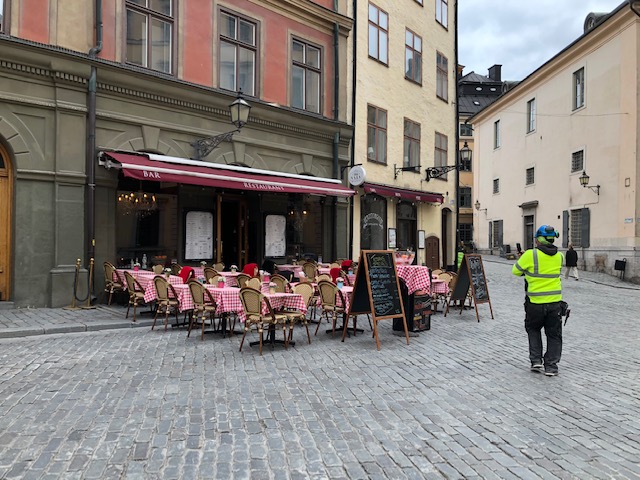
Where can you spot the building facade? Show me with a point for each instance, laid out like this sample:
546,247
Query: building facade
561,148
104,103
404,117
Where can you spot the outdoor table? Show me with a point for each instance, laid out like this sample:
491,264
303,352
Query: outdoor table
416,277
145,277
150,288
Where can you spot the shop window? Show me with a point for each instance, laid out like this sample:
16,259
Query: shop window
373,222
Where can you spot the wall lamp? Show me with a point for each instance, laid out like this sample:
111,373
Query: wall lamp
584,181
634,5
415,168
239,111
477,205
437,172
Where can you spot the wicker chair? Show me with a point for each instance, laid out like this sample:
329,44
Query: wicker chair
242,279
323,278
219,266
136,294
282,284
310,270
203,303
306,290
167,300
210,272
252,301
157,269
112,281
175,269
254,283
329,293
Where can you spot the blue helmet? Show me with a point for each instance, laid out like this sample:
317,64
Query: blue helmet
547,232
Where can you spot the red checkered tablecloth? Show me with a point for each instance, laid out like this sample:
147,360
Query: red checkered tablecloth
439,286
150,289
145,277
415,276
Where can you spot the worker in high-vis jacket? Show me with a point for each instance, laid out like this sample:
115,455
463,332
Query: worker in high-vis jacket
541,266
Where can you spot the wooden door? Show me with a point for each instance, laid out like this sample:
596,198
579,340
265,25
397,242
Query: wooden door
231,233
432,246
6,207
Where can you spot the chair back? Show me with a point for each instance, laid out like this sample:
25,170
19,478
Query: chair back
109,272
251,302
306,290
242,279
324,278
197,292
132,284
310,269
436,272
218,266
328,291
446,277
334,265
345,276
210,272
281,283
162,287
157,269
254,283
175,268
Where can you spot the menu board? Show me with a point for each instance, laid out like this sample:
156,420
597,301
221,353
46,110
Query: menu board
377,290
470,275
198,230
274,235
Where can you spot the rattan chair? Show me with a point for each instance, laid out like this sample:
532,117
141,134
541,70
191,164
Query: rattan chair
329,293
252,301
157,269
209,273
310,270
306,290
323,278
175,269
219,266
242,279
204,304
166,299
254,283
112,281
136,294
282,284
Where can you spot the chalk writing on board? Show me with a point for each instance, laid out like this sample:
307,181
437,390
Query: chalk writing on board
477,278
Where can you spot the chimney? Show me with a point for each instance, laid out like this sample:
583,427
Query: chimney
495,73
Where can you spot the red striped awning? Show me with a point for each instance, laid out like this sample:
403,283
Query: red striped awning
160,168
403,193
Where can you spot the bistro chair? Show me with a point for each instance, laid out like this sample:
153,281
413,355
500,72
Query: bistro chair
203,303
112,281
252,301
219,266
282,284
186,273
242,279
324,277
442,297
329,292
310,270
157,269
306,290
345,277
209,273
167,300
334,265
136,294
175,269
436,272
254,283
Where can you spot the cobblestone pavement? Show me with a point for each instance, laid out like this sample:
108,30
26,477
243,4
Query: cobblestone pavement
458,402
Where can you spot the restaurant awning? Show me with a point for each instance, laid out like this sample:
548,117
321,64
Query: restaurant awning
403,193
161,168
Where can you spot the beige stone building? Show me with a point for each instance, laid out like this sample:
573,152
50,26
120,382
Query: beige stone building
404,122
575,116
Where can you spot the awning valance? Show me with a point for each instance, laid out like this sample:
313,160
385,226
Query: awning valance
160,168
403,193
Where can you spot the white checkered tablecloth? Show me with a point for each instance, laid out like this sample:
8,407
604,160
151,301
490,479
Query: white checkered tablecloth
415,276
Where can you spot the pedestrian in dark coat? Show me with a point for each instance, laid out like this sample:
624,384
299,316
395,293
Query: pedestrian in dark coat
571,263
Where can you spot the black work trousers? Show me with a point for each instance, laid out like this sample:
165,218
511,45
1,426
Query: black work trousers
547,315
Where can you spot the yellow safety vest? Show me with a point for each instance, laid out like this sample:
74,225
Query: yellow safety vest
542,273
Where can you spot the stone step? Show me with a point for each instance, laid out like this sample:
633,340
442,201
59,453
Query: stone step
7,306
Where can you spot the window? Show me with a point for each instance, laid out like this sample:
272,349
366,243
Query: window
577,161
466,233
442,79
150,34
411,144
495,234
496,185
465,197
378,34
496,134
466,130
306,75
237,54
376,134
440,153
531,115
4,14
575,227
530,176
442,10
578,89
413,57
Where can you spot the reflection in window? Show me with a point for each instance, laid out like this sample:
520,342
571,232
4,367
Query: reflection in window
150,34
376,134
442,77
237,54
306,74
411,144
413,57
440,152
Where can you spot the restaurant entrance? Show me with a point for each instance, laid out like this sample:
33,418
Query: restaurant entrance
6,207
233,246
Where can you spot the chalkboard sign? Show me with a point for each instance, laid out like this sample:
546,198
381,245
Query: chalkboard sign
471,275
376,290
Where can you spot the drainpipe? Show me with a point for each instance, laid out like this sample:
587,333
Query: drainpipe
91,136
457,160
334,247
336,137
354,84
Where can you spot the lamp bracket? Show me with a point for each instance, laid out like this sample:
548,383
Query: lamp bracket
205,146
414,168
437,172
593,189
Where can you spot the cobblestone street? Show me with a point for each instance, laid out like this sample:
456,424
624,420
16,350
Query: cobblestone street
459,402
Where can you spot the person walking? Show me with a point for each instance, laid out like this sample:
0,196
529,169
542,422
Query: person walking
542,266
571,262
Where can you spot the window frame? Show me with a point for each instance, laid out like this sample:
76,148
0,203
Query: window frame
530,176
496,186
531,115
441,155
574,160
239,44
379,28
377,128
442,77
307,68
130,5
5,26
575,234
444,12
497,138
465,197
578,89
465,127
408,142
415,53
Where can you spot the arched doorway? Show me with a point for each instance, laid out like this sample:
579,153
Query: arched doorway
6,222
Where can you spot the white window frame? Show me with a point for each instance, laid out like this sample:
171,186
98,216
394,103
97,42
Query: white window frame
578,94
531,115
497,141
442,13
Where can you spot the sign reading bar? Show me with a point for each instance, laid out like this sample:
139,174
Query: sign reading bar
377,290
470,276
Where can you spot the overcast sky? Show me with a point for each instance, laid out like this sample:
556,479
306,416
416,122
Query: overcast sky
520,35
